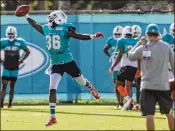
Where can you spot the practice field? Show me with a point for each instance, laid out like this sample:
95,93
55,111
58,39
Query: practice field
76,117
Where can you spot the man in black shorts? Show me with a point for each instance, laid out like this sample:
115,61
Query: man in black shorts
128,68
58,33
155,57
11,46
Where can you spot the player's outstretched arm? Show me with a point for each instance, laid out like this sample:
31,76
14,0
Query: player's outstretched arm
79,36
34,24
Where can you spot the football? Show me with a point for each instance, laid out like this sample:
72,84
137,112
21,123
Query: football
22,10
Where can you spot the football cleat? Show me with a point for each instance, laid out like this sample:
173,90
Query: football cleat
127,104
117,106
52,120
9,107
95,93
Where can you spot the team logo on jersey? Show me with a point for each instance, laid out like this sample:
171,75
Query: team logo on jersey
59,28
37,60
17,44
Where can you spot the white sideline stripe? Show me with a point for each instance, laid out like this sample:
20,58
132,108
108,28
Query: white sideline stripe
64,106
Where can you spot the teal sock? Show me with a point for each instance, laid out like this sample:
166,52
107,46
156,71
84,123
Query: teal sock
52,109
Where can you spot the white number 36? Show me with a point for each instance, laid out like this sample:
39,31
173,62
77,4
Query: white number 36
53,42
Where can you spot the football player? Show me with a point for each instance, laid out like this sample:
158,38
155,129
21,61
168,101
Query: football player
58,32
112,43
128,68
137,35
12,59
170,39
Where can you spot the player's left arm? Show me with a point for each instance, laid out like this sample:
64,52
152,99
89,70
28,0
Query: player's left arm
26,52
79,36
25,55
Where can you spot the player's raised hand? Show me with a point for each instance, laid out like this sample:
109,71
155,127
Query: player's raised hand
98,34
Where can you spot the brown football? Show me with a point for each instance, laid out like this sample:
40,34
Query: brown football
22,10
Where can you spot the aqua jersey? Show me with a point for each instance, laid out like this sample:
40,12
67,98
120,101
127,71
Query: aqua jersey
113,43
169,39
17,44
58,43
12,51
126,44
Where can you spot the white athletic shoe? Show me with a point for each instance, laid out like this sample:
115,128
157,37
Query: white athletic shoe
126,105
120,107
116,107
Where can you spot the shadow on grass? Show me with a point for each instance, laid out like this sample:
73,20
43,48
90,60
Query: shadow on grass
75,113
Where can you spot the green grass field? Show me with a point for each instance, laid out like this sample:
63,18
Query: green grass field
76,117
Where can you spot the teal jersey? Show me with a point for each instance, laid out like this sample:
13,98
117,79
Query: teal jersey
12,52
58,43
169,39
111,42
126,44
15,45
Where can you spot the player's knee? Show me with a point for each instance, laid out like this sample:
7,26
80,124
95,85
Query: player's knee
4,82
52,87
81,80
119,83
54,81
52,91
12,84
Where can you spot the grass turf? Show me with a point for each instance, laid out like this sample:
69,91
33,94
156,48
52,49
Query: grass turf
76,117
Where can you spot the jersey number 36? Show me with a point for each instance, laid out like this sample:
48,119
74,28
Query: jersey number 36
53,42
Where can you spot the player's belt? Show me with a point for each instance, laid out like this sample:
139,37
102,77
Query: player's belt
59,53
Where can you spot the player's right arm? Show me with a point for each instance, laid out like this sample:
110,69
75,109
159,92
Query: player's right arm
171,59
34,24
1,47
107,47
105,50
120,50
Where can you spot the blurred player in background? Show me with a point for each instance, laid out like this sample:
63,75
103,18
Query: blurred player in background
128,68
155,57
58,33
170,39
112,43
137,35
11,46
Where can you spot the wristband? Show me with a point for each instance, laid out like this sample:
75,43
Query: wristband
92,36
26,16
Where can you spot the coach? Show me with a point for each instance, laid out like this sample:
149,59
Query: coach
155,57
